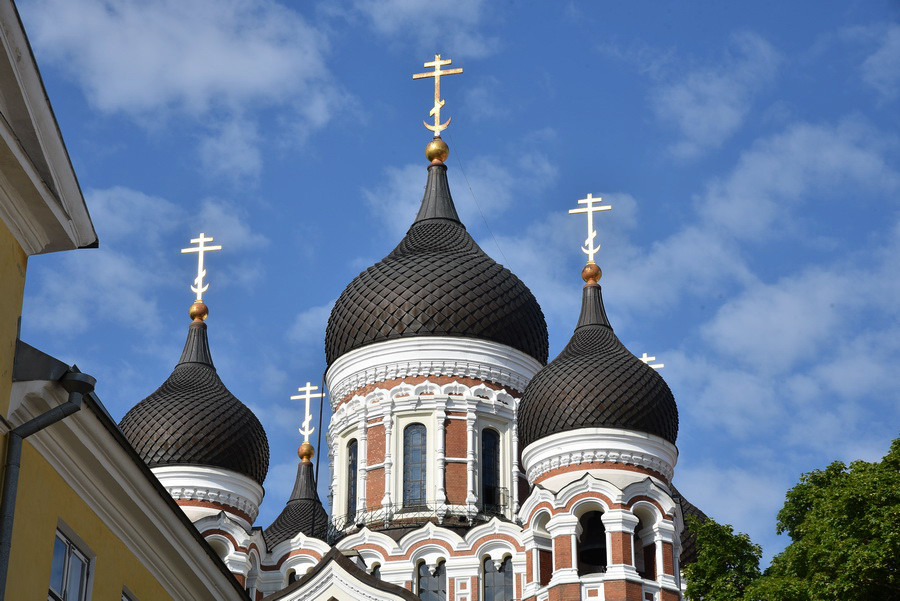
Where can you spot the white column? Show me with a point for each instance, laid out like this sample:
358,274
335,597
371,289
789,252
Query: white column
362,461
514,485
564,525
440,434
623,521
470,461
664,532
388,462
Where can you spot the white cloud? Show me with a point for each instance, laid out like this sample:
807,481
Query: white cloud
231,151
309,325
215,61
708,105
881,69
782,171
229,224
415,19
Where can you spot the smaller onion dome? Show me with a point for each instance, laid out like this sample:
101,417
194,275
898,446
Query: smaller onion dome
303,512
192,419
596,382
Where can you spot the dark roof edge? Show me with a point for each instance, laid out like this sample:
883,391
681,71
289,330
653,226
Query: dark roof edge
339,558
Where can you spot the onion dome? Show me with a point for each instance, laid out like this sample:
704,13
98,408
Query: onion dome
596,382
303,512
192,419
436,282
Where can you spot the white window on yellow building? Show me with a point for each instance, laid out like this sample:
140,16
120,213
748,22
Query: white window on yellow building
70,574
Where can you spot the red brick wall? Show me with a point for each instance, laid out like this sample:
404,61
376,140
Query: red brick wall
562,552
620,547
565,592
622,590
670,596
455,444
375,488
668,559
455,482
375,444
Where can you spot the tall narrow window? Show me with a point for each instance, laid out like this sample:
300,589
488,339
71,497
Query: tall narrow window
352,465
69,572
592,544
498,582
414,466
432,586
490,470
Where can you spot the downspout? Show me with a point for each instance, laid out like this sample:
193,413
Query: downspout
77,385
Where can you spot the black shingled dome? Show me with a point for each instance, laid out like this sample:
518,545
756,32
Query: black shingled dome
437,282
193,419
303,512
596,382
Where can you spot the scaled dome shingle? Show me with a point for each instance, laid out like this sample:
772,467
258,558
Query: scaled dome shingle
436,282
596,382
193,419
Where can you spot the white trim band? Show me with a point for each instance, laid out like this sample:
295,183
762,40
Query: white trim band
217,485
430,356
612,445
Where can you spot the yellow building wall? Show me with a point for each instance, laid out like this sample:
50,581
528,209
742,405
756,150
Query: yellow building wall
44,498
13,262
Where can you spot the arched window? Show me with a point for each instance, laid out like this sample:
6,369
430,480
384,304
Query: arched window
432,586
352,464
591,544
414,466
498,583
490,470
644,554
376,571
292,577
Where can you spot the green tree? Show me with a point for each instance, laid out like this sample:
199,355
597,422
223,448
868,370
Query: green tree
727,563
844,524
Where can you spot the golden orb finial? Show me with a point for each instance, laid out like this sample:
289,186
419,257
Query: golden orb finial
198,311
437,150
591,274
306,452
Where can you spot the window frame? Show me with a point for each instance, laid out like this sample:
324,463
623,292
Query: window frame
421,499
352,479
73,546
508,578
492,505
441,586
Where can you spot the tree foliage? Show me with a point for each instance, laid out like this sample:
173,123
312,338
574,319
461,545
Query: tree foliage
727,563
844,524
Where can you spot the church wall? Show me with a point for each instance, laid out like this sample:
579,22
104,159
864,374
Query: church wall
623,590
455,477
46,500
13,263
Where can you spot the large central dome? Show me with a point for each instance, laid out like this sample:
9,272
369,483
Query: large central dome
437,282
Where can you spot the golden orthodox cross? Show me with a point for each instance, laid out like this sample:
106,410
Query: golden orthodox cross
647,360
201,248
307,392
437,63
589,249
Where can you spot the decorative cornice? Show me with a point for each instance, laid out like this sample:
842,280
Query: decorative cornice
430,356
214,485
599,445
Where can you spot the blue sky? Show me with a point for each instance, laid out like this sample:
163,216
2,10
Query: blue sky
750,152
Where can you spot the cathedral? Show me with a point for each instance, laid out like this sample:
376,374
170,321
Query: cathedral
463,465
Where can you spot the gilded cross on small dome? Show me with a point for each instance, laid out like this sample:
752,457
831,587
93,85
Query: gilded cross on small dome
590,208
201,248
437,63
647,360
307,393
